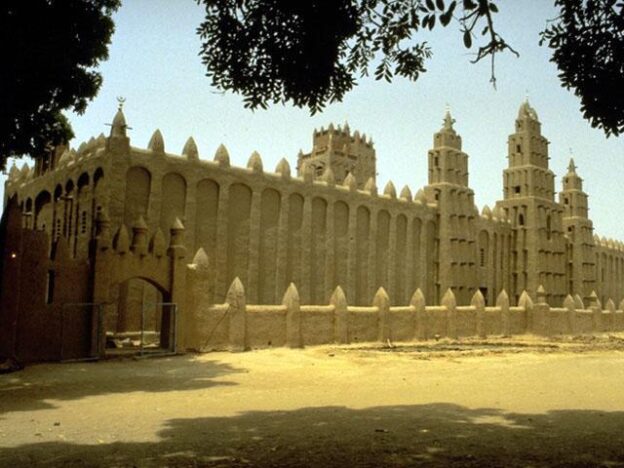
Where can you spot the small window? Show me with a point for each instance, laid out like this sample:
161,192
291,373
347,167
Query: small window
83,223
566,201
518,149
517,189
50,287
521,219
482,257
435,161
548,227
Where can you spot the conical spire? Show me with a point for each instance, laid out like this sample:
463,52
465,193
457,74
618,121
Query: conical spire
526,111
448,122
283,168
255,162
13,172
350,182
222,157
190,149
157,142
118,127
571,166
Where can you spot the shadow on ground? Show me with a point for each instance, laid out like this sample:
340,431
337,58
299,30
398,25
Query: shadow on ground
418,435
28,390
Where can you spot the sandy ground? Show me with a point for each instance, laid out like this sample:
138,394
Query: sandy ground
496,403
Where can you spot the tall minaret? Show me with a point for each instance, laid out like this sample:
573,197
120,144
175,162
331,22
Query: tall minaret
539,245
448,188
578,229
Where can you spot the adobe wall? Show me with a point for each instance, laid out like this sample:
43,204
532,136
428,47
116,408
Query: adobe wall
65,201
609,261
37,321
271,229
237,325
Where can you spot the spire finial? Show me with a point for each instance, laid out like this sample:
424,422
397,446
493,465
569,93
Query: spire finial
448,119
571,165
119,126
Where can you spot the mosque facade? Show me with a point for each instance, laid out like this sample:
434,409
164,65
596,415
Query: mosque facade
324,225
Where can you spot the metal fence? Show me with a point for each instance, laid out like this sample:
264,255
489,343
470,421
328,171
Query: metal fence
85,334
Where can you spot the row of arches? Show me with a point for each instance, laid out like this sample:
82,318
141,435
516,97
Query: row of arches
269,238
610,275
68,210
320,244
493,263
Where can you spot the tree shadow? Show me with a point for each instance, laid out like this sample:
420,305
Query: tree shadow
28,390
438,434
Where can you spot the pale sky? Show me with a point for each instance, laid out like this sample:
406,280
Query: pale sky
154,65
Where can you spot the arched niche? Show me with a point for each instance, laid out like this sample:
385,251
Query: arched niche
138,186
43,210
173,201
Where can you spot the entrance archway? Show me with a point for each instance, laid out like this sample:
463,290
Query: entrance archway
141,319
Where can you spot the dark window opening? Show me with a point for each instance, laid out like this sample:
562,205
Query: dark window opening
83,223
50,287
548,227
517,189
519,148
521,220
435,161
565,200
482,257
484,292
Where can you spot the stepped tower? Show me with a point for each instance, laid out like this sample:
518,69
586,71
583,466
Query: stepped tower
448,189
344,153
578,229
539,244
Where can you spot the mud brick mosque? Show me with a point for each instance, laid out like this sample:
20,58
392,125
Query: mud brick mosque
94,235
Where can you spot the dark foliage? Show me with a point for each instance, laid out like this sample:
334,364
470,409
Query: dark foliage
588,43
50,49
311,52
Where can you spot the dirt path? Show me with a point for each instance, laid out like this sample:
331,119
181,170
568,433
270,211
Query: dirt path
499,403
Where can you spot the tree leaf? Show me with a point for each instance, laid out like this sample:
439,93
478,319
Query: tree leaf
440,4
467,39
432,22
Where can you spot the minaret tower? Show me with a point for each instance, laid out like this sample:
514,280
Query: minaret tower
448,188
578,229
343,152
539,244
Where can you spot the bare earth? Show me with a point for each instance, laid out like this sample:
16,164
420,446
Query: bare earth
511,402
